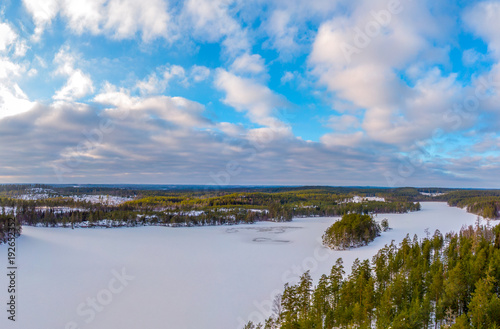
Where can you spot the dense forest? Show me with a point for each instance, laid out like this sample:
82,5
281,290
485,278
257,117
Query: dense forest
351,231
89,206
436,282
484,203
8,225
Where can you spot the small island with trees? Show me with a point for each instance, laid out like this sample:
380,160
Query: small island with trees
352,231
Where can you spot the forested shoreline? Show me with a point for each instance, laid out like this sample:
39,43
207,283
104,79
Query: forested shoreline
43,205
449,281
113,206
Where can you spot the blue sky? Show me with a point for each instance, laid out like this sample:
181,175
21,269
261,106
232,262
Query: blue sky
337,92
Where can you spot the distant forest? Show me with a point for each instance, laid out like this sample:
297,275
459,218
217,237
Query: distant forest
70,206
51,206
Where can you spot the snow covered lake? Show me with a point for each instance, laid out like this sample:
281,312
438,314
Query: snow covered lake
180,278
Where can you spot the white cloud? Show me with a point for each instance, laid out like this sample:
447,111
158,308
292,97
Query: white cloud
471,57
7,36
111,95
13,101
125,18
344,123
21,48
483,19
119,19
174,71
291,25
359,58
213,21
42,13
287,77
199,73
32,72
9,70
283,31
246,63
178,110
342,139
85,16
151,85
231,129
158,81
245,95
78,84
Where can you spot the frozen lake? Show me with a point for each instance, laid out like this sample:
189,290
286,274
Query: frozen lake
180,278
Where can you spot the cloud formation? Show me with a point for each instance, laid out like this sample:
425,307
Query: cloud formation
116,18
155,91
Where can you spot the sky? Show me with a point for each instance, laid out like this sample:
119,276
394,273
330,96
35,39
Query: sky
220,92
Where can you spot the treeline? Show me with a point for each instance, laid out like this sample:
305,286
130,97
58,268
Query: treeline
437,282
367,207
49,202
16,190
9,190
186,207
8,225
249,199
111,216
63,213
353,230
484,203
301,202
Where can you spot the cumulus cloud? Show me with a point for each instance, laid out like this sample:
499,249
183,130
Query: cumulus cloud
290,25
283,31
482,19
119,19
158,81
7,36
471,57
151,85
42,13
245,95
344,123
199,73
246,63
342,139
78,84
360,58
170,110
13,100
213,21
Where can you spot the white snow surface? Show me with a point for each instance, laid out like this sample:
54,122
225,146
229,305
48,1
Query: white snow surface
359,199
104,199
432,194
184,278
38,194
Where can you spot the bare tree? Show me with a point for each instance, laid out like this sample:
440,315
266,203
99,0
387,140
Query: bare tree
277,310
